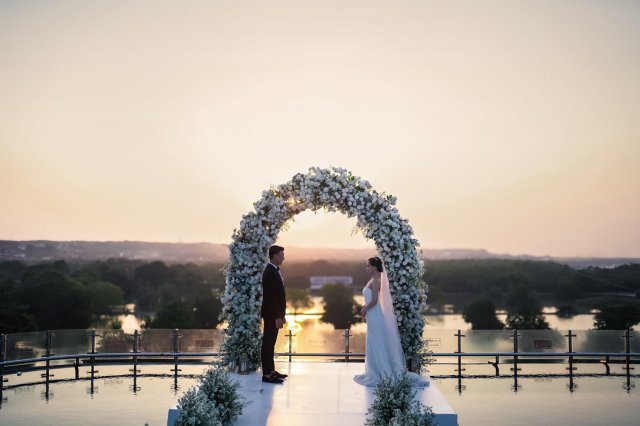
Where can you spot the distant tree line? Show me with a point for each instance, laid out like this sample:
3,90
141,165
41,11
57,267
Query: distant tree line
475,276
525,312
58,295
55,295
515,285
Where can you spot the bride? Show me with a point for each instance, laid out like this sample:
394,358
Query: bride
383,351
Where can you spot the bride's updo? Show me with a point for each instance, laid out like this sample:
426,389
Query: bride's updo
377,263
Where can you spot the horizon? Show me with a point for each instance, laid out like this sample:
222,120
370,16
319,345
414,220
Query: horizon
494,255
511,126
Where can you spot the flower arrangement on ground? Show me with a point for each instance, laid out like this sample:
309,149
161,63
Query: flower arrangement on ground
395,404
213,401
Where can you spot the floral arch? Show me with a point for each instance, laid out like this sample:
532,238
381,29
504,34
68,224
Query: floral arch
335,190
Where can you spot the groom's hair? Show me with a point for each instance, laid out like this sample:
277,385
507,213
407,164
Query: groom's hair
273,250
377,262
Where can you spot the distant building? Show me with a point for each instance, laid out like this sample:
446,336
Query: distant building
318,282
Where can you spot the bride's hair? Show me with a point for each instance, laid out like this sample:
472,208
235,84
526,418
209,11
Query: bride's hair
377,262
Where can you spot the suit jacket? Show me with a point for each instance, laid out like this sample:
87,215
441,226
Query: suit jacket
274,300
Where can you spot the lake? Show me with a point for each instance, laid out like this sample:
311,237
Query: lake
116,398
452,321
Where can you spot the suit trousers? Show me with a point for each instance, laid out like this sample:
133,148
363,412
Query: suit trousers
268,345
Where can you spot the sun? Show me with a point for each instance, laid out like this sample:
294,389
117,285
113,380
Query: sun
310,220
322,229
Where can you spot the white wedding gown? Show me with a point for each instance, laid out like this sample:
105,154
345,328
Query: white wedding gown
383,349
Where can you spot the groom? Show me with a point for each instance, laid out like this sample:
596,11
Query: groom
274,304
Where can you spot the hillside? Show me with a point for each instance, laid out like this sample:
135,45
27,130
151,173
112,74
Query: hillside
42,250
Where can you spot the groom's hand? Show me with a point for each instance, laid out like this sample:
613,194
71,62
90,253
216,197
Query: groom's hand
279,323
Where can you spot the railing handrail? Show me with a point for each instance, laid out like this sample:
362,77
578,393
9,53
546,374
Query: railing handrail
176,353
220,330
314,354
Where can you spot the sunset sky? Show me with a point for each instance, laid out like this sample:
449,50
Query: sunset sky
512,126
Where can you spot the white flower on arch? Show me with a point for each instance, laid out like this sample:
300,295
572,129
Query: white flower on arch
333,189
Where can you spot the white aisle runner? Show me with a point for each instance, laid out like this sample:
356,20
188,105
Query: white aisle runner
320,394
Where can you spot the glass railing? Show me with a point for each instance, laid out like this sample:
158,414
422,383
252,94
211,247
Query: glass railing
201,340
67,342
113,341
25,345
323,340
599,341
442,341
487,341
542,341
157,340
635,341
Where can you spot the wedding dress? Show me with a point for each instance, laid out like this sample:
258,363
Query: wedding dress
383,350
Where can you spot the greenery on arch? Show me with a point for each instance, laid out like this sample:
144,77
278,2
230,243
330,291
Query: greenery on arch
334,190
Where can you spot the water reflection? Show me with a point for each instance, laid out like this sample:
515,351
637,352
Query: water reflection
105,396
131,322
447,320
309,334
292,324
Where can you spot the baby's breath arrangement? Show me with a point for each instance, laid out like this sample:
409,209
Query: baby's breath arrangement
213,401
395,404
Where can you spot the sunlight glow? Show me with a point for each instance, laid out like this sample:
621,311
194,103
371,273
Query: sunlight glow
292,325
321,229
490,132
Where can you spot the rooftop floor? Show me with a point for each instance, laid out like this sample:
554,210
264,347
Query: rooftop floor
320,394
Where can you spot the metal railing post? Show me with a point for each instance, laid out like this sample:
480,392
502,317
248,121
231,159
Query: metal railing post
3,349
571,368
47,375
48,348
92,334
176,340
176,349
290,335
515,368
570,337
136,349
48,342
515,351
136,342
3,355
627,350
346,344
459,351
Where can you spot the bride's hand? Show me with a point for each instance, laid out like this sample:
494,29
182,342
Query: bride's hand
363,312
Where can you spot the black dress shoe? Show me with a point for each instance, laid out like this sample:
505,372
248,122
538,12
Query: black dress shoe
279,375
271,379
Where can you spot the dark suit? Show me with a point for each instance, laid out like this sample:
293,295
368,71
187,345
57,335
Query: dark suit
274,305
